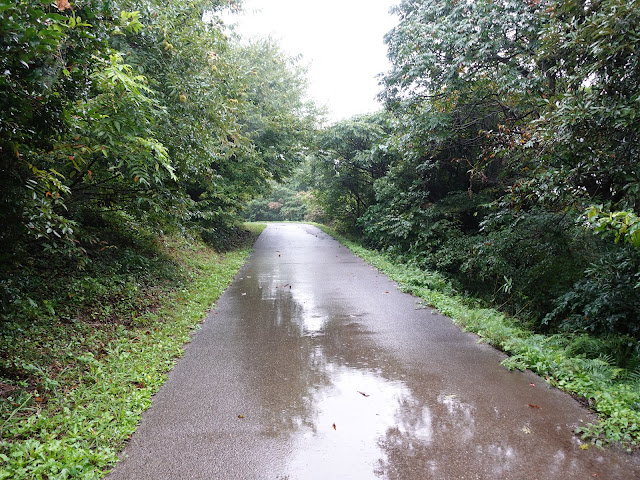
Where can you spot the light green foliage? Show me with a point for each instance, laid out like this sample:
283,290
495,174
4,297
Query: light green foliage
623,225
277,118
142,106
234,114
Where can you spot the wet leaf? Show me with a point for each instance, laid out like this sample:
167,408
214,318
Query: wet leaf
534,406
363,394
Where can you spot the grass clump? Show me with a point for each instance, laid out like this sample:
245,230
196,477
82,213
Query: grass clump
73,387
601,372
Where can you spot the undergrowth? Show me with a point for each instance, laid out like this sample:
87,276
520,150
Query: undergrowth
603,373
73,386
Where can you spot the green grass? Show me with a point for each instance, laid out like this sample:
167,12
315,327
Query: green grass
73,389
579,364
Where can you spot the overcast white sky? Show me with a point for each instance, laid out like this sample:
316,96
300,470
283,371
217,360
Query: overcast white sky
341,41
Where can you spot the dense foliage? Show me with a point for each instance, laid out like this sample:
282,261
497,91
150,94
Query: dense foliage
510,157
132,115
285,202
350,156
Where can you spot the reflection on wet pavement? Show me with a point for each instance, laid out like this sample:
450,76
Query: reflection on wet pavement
337,375
350,407
351,446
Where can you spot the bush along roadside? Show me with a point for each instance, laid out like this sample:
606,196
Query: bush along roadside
73,391
602,373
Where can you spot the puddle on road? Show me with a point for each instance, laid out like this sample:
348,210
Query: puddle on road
317,366
304,310
351,448
314,361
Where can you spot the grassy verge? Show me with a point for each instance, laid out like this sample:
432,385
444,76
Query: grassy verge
73,389
581,365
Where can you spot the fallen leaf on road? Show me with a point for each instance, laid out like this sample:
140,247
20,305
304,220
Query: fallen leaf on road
363,394
334,426
240,416
449,397
584,446
532,384
386,292
526,430
533,406
63,5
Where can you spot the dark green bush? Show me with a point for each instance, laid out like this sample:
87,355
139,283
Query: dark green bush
606,299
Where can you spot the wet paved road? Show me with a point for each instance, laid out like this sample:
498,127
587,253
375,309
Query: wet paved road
314,366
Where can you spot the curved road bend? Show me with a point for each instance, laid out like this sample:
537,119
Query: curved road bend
314,366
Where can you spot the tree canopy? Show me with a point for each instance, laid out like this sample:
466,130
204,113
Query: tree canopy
514,132
137,108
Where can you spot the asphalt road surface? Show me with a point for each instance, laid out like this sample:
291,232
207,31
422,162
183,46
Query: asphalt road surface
314,366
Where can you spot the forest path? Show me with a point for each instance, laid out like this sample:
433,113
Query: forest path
314,365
